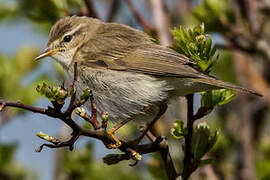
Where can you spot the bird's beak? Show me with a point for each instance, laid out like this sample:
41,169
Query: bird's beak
47,52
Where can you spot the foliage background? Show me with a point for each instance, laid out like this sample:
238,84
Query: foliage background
238,27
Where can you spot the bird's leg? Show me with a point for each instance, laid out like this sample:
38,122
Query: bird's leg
112,130
162,110
117,143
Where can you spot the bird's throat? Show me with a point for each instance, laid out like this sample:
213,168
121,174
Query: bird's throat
65,58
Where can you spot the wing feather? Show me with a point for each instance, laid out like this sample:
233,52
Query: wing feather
126,49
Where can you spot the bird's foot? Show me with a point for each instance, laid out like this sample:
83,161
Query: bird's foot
117,143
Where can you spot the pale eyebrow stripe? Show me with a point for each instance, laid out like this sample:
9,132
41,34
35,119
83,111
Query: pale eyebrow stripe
74,30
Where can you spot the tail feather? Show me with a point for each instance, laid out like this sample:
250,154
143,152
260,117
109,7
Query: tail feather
226,85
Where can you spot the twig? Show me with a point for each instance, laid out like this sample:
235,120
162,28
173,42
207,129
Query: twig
146,26
150,136
113,10
167,160
71,106
201,113
20,105
69,143
165,155
91,10
188,169
252,16
93,119
161,22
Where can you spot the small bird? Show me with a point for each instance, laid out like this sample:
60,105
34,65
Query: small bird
131,76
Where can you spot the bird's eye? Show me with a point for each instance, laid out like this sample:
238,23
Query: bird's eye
67,38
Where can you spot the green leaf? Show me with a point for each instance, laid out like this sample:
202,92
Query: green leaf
178,131
202,140
196,45
46,137
219,97
53,93
105,117
85,95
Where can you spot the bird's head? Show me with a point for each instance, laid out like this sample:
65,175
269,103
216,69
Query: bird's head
66,36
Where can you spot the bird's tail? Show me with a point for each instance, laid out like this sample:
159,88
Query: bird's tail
226,85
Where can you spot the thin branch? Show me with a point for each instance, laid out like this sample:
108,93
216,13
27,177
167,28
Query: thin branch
74,90
161,22
167,160
90,8
113,10
201,113
146,26
93,119
250,10
20,105
69,143
165,155
188,169
150,136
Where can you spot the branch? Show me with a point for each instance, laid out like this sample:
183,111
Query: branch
130,151
91,12
72,105
188,159
163,150
113,10
58,144
161,22
20,105
250,10
146,26
167,160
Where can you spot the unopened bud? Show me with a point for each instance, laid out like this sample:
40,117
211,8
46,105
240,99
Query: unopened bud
200,37
136,156
46,137
105,116
1,107
85,95
80,111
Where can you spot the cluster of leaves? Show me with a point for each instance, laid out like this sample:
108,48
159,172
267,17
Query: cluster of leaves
178,131
203,139
196,45
54,93
58,94
213,98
